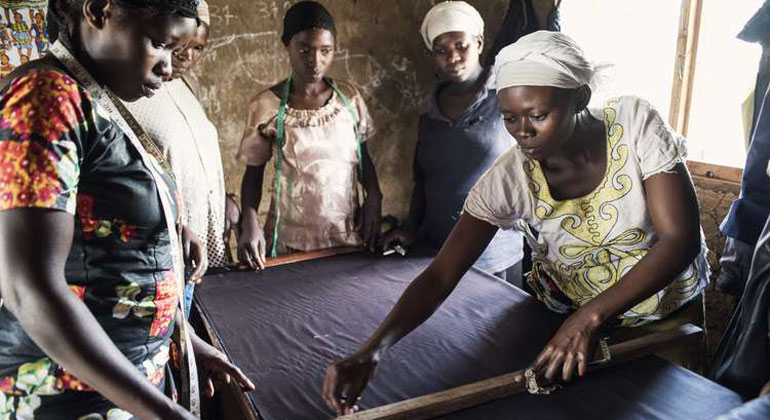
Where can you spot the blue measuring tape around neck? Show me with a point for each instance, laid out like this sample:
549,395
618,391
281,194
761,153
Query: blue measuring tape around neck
280,137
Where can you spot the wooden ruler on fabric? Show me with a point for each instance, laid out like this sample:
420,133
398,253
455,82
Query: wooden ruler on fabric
470,395
301,256
312,255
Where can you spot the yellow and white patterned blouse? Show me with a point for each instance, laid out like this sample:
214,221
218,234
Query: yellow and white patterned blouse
586,244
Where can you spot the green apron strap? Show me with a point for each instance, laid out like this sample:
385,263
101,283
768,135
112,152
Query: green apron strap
279,142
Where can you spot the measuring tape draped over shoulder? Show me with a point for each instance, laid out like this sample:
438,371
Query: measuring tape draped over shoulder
154,161
280,138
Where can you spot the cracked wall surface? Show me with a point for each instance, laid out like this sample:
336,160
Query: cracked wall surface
379,49
715,199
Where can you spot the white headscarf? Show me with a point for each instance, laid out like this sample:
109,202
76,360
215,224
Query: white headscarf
451,16
544,58
203,13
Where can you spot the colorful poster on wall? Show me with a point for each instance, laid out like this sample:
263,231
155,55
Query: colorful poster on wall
22,33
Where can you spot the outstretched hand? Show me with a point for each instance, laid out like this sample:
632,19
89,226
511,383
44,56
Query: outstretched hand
345,380
570,348
216,369
395,237
252,246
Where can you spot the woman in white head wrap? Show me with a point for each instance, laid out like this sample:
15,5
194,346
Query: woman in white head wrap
619,240
459,138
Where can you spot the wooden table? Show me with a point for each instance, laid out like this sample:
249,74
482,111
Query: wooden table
284,325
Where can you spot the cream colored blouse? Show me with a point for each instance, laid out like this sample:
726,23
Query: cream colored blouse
319,197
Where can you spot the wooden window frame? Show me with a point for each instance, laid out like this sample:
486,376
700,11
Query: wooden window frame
681,91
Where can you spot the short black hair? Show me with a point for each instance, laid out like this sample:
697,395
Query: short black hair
304,16
64,15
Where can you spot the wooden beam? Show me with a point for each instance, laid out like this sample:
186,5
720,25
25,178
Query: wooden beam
715,172
684,66
312,255
455,399
299,256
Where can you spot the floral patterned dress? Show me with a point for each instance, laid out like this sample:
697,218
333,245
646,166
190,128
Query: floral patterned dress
60,150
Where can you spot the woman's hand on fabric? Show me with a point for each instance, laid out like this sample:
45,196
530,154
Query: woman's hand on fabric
397,236
195,258
232,218
252,245
345,381
570,348
369,220
215,369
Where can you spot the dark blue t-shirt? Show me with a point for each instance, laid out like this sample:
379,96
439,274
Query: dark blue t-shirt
450,158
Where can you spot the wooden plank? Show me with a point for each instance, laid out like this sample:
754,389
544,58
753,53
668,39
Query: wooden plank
298,257
470,395
312,255
684,66
681,53
715,172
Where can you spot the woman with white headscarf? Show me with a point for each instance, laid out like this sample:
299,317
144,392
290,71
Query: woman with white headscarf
460,136
619,239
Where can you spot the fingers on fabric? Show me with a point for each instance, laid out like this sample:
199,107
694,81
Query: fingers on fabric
331,384
209,388
244,257
201,262
260,251
570,361
557,358
389,240
222,372
543,357
252,253
344,383
353,393
236,373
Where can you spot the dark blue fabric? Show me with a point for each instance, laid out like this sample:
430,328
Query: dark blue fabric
756,409
284,325
450,158
749,212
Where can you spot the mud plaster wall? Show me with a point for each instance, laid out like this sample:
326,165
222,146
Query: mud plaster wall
715,199
379,50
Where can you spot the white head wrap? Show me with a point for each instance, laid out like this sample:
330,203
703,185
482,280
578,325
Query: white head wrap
203,13
451,16
544,58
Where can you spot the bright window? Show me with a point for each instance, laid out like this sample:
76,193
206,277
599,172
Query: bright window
619,32
725,75
640,39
